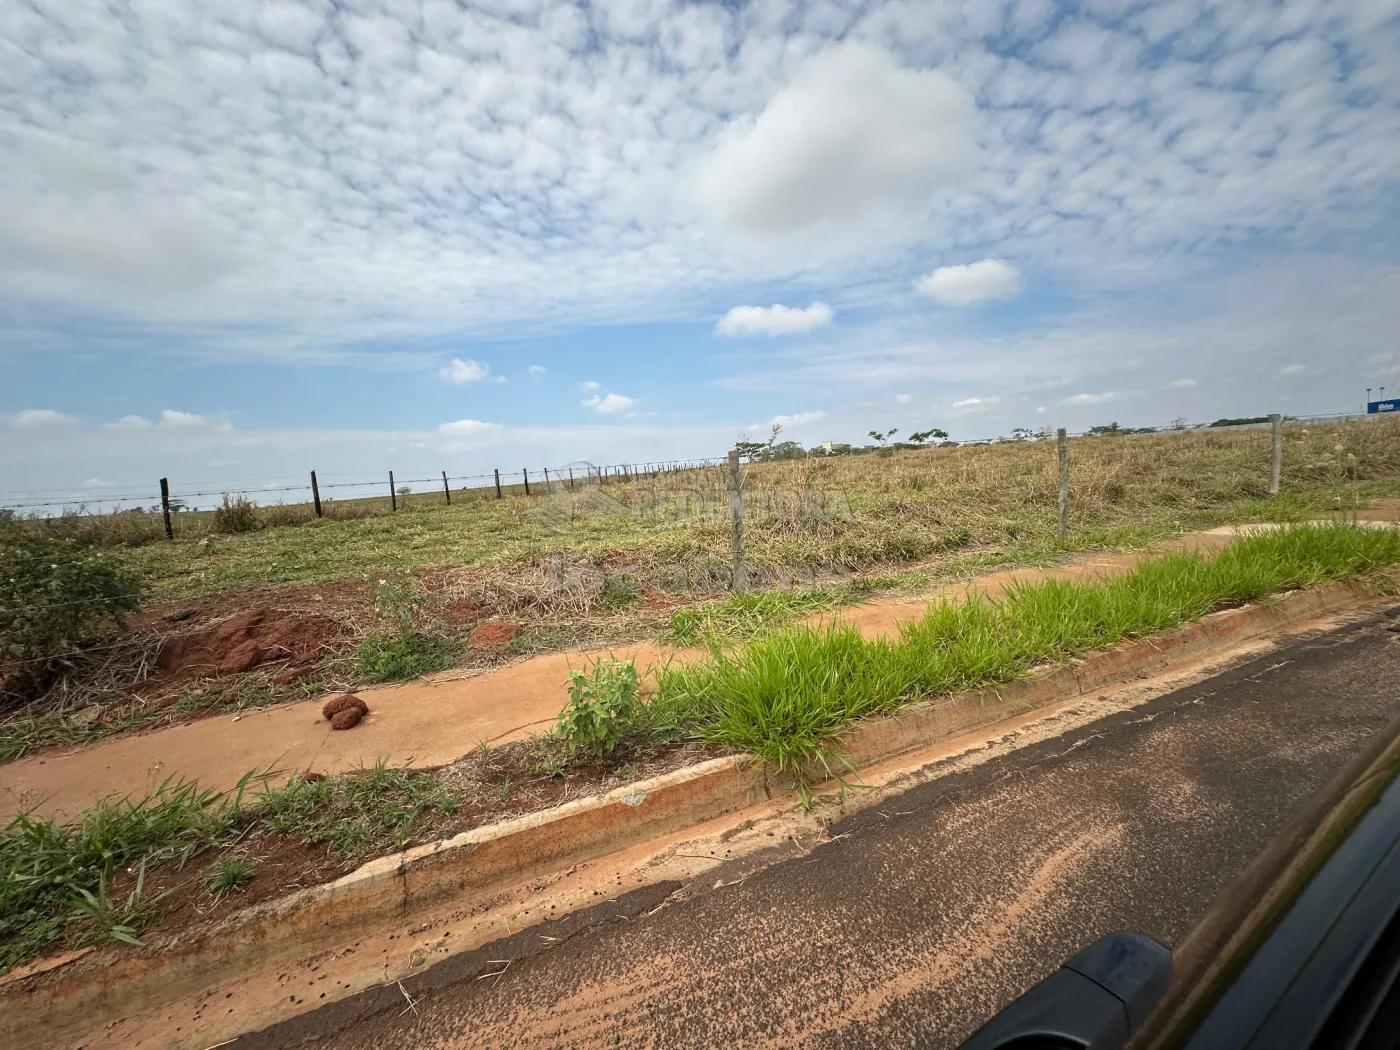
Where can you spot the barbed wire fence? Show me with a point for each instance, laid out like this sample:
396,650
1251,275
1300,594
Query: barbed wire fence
319,490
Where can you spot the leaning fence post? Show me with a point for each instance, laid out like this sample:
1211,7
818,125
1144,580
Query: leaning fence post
571,479
736,517
498,482
1063,442
445,490
315,494
1276,467
393,496
526,473
165,507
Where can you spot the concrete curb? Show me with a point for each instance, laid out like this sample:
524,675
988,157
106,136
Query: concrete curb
93,989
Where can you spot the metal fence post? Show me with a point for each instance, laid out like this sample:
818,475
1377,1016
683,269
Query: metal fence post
165,507
525,472
1276,466
498,482
315,494
736,516
445,490
1062,441
393,496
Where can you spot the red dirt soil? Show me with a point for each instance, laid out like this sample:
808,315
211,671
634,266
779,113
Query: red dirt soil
489,634
247,640
346,718
343,702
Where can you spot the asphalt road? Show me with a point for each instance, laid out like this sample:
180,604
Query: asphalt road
923,917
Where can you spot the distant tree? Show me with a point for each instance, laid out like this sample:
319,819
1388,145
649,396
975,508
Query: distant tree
921,436
404,490
1113,429
1179,423
1021,434
1241,422
884,438
785,450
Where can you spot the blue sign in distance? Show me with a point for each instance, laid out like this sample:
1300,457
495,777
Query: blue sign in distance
1393,405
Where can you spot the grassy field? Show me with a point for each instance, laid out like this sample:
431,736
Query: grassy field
967,506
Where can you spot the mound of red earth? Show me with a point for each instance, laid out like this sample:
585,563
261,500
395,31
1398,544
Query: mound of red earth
491,634
343,702
248,640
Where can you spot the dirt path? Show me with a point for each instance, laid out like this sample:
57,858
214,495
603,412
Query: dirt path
430,722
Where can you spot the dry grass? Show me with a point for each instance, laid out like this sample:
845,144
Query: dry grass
939,505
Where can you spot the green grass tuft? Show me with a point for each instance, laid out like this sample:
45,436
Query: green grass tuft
743,616
382,657
786,697
228,875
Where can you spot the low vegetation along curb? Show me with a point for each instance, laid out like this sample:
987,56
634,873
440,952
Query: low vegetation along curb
787,698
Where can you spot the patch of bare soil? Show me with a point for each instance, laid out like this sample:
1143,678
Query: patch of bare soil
489,634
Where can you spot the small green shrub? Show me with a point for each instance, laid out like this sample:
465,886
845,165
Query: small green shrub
54,596
105,919
407,642
619,592
400,657
236,514
604,708
228,875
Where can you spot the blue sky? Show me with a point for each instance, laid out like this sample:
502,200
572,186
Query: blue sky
239,240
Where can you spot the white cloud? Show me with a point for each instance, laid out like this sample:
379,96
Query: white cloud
129,423
96,483
903,399
609,405
467,428
852,135
588,386
774,320
1041,409
977,404
30,418
970,284
792,422
1091,399
1293,370
537,370
1181,384
468,371
171,418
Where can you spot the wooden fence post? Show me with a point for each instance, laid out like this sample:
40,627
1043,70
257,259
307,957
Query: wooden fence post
445,490
315,494
1063,442
526,473
498,482
571,479
736,517
1276,465
393,496
165,507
